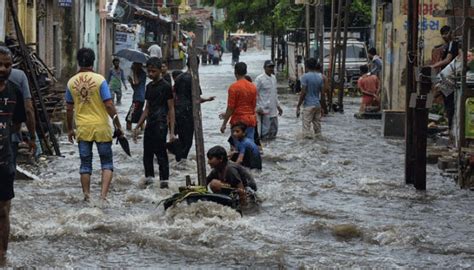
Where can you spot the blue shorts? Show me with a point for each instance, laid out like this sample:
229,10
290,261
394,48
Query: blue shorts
105,154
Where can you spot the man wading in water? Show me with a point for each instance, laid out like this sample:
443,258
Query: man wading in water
90,103
12,111
159,107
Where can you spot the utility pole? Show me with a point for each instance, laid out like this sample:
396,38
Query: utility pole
412,63
321,37
306,7
3,10
467,7
103,37
271,3
331,58
197,117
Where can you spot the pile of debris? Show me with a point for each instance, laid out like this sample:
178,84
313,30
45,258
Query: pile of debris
46,101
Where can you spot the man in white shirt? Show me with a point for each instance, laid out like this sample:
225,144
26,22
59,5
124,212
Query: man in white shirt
268,105
155,51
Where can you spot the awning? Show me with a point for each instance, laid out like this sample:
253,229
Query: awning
150,14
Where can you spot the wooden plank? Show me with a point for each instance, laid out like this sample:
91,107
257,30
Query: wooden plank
198,134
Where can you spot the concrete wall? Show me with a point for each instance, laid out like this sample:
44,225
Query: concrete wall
392,44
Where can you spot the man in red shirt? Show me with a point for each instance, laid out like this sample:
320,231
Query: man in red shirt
241,102
369,85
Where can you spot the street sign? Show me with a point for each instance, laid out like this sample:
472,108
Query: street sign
65,3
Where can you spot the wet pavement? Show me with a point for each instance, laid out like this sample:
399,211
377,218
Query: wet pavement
336,201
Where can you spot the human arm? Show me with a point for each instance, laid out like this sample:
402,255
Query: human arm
122,75
259,86
29,111
110,107
228,113
301,100
30,124
71,135
171,114
443,62
231,102
69,116
203,100
140,122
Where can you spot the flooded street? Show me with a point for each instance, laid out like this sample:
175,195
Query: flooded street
339,201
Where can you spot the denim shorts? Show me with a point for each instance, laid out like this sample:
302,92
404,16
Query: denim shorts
105,154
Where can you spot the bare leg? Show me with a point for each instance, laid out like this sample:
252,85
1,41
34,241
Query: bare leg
86,185
4,227
106,180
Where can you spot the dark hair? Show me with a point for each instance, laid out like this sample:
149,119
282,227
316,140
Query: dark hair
217,152
176,73
5,51
240,69
248,78
372,51
115,60
85,57
318,66
311,63
444,30
364,69
154,62
240,125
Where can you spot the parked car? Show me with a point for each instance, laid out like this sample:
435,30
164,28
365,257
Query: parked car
356,55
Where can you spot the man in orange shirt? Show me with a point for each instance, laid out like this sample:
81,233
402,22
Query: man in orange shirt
369,85
241,102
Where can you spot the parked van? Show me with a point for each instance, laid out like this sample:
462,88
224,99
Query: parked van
356,55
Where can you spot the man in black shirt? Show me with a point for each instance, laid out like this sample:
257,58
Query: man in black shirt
450,52
184,112
159,107
228,174
11,111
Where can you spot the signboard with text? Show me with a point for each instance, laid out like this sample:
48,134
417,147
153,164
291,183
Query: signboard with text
65,3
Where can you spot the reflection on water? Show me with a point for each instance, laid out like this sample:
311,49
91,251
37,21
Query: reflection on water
335,201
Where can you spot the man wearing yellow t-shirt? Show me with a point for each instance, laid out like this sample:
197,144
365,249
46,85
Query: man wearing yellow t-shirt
90,104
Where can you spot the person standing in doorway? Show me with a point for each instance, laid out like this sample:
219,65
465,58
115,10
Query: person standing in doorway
159,108
268,105
450,52
138,82
90,105
115,79
13,111
375,63
241,102
312,84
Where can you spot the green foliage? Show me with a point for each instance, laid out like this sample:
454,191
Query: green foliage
257,15
361,12
188,24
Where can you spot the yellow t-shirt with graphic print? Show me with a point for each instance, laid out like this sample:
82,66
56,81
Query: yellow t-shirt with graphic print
88,91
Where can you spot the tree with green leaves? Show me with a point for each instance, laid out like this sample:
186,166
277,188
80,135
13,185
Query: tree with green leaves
257,15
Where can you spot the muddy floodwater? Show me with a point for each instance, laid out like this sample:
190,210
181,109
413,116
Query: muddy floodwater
337,201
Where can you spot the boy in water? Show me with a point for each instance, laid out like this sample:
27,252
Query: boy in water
115,79
245,152
159,107
228,174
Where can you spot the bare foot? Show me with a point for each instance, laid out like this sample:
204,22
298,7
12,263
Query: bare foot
87,197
